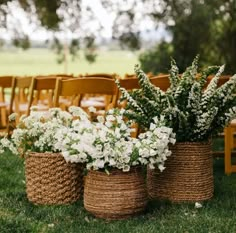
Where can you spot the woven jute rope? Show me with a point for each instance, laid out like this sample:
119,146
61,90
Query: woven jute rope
51,180
119,195
188,175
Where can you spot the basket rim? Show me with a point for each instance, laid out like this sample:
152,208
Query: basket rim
207,142
115,170
43,154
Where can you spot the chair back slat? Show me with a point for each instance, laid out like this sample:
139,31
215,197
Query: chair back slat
5,83
82,86
161,81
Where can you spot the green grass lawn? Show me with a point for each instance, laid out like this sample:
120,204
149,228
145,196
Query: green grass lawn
43,61
18,215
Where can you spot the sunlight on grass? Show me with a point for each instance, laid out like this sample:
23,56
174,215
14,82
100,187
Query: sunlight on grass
43,61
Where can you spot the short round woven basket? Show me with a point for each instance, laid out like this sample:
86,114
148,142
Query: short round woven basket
188,175
119,195
51,180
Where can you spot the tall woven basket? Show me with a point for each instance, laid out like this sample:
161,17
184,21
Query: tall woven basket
188,175
51,180
119,195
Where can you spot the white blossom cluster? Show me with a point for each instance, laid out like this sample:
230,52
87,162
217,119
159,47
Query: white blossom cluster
6,144
101,145
107,143
155,142
36,132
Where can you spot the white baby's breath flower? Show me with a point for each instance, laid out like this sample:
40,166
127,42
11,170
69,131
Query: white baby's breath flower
108,124
92,109
111,111
152,126
161,167
110,118
12,117
78,112
39,131
126,168
198,205
51,225
100,119
108,144
122,111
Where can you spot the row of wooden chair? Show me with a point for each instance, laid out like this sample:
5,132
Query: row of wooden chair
20,89
39,90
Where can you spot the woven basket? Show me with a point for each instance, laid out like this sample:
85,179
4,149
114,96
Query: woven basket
188,175
119,195
51,180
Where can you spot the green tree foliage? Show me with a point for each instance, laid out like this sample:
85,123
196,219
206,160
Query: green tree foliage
156,59
56,16
23,43
206,27
191,33
224,36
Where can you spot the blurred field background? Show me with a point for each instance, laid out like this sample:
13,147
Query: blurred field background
40,61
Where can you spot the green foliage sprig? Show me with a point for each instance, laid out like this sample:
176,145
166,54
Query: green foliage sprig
194,111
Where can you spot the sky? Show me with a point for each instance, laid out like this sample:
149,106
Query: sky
36,33
106,19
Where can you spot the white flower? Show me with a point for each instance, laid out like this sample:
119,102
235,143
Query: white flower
100,119
126,168
152,126
108,124
108,144
78,112
110,118
161,167
41,131
198,205
12,117
92,109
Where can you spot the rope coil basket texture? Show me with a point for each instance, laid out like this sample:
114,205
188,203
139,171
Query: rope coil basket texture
188,175
51,180
118,195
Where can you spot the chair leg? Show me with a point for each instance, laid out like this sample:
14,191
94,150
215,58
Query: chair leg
228,147
3,117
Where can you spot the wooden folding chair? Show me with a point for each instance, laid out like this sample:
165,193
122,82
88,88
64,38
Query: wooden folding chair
129,84
62,75
128,76
5,86
223,79
100,75
229,146
97,98
161,81
19,97
81,86
229,132
41,92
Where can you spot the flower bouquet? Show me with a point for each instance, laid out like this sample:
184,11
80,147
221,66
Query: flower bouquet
49,178
196,112
114,186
